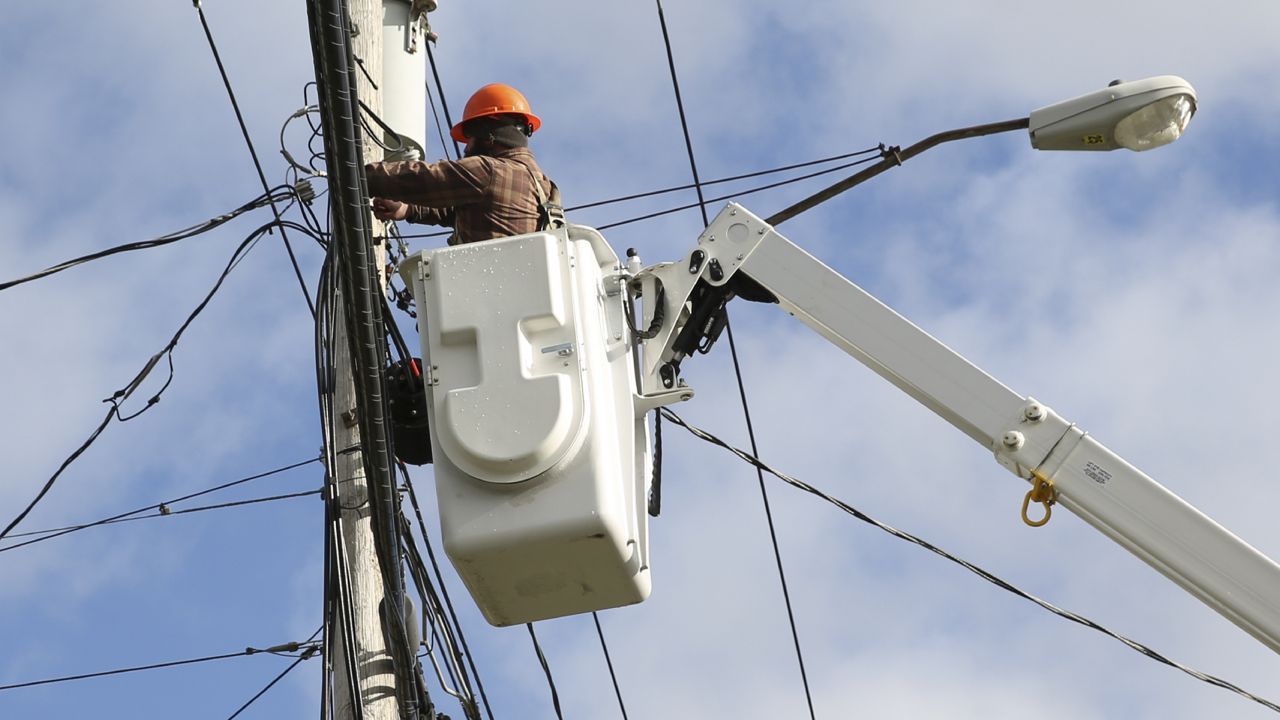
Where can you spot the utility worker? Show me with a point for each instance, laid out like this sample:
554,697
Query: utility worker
496,190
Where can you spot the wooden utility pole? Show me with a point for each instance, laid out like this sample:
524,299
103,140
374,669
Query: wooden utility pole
373,664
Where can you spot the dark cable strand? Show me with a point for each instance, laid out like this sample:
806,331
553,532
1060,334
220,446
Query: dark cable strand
65,463
306,655
155,506
546,669
163,510
444,102
444,591
128,390
720,181
141,668
337,580
444,144
690,206
742,390
731,196
768,514
984,574
684,124
613,676
262,176
280,192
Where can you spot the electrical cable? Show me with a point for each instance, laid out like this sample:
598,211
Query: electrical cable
721,181
444,144
156,666
58,532
123,394
244,130
730,196
690,206
279,192
444,102
984,574
737,369
546,669
444,591
306,655
616,690
768,514
165,511
338,605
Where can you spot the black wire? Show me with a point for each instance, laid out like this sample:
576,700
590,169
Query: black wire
730,196
65,463
984,574
306,655
67,678
262,176
720,181
124,393
444,591
338,604
165,511
260,201
768,514
616,690
444,102
58,532
684,124
546,669
444,145
270,685
737,369
691,206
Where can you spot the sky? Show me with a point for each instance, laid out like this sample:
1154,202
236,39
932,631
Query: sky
1132,293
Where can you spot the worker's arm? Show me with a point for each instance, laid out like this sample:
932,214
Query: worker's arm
388,209
430,191
439,185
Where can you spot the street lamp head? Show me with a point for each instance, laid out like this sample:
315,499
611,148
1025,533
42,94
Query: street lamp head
1137,115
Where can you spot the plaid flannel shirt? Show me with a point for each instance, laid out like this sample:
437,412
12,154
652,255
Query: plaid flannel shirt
480,197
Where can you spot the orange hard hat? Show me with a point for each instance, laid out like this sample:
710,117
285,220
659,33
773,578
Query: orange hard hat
495,99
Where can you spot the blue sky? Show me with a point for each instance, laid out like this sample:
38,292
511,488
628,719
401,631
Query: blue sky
1132,293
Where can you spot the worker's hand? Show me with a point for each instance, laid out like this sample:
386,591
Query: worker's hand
385,209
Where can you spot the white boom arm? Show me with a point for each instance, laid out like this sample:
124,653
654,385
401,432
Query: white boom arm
739,254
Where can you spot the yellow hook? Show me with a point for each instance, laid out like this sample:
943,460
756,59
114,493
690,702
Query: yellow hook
1041,492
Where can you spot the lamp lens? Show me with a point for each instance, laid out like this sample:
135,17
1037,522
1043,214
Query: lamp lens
1159,123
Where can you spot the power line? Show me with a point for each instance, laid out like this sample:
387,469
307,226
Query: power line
58,532
244,130
163,510
306,655
984,574
126,392
730,196
444,591
690,206
616,690
720,181
742,389
444,102
287,647
546,669
279,192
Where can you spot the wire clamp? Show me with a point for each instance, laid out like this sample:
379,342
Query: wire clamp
1041,492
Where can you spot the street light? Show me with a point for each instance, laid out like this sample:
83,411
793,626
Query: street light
1137,115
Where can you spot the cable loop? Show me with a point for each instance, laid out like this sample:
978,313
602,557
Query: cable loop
1042,492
